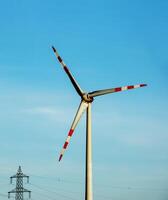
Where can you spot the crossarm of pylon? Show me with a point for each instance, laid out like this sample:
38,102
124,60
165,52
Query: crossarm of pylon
82,107
72,79
20,190
112,90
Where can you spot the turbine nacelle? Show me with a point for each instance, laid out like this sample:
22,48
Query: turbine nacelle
87,98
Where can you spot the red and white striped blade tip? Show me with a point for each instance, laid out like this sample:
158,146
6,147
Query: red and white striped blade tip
66,143
60,157
143,85
53,48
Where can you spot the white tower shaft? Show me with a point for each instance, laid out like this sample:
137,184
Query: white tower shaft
88,184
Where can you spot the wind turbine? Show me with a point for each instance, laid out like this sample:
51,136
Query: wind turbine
85,105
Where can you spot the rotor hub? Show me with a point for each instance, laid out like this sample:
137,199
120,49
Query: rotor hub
87,98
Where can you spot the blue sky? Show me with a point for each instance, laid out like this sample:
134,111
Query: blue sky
105,44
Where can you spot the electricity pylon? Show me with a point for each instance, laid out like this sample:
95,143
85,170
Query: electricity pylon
19,190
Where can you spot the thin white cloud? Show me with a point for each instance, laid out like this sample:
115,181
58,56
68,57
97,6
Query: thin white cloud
43,110
58,114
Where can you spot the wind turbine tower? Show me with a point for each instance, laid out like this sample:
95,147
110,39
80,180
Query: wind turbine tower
85,105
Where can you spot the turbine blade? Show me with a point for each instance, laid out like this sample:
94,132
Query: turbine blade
112,90
73,81
82,107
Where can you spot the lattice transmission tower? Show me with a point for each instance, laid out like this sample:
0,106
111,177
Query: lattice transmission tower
19,190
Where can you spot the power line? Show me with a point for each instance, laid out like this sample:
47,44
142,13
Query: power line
3,195
41,188
118,187
58,179
43,194
58,194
